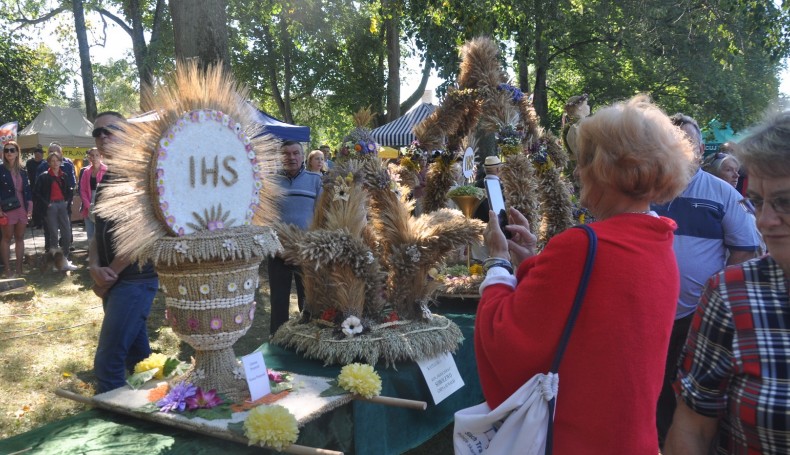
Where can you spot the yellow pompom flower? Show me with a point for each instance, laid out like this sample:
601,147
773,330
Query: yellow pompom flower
272,426
155,360
360,379
476,269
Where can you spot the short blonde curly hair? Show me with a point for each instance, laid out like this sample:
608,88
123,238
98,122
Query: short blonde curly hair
632,148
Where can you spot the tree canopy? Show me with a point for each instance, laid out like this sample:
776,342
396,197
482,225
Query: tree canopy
29,78
316,62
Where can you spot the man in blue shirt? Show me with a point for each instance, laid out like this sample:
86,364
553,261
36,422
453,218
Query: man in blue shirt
714,230
301,189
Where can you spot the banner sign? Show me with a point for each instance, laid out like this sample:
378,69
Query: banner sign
8,132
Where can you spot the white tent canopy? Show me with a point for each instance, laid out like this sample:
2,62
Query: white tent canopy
66,126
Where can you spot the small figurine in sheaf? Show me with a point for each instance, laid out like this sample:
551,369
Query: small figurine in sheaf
575,109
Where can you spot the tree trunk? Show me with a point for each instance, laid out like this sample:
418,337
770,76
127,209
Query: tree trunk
540,99
285,43
420,91
522,58
85,59
393,64
144,54
271,68
200,30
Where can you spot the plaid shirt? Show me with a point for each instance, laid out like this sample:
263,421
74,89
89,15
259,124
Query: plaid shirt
736,362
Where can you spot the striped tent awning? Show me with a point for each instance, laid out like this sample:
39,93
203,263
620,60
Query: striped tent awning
398,133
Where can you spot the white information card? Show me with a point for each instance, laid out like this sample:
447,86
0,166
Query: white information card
441,374
257,375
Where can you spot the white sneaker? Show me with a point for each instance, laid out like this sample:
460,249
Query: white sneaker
70,266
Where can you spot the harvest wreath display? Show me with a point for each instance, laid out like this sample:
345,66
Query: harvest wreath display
206,249
365,262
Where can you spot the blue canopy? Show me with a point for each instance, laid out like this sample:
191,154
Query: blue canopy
282,130
399,131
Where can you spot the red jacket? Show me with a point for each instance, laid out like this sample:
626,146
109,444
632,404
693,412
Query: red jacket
611,374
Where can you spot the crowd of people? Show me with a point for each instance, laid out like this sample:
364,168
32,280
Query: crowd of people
681,343
40,194
682,335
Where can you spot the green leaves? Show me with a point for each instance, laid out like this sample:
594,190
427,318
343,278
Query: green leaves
29,79
334,390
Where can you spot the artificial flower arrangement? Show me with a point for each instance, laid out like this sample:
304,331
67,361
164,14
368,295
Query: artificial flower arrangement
155,366
191,401
458,279
357,378
358,143
271,426
510,140
516,94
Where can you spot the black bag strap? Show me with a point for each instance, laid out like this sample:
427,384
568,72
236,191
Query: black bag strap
592,247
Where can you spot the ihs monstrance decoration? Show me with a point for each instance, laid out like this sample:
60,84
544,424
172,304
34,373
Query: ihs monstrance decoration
188,194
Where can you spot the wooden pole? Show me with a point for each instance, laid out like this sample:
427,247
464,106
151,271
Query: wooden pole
397,402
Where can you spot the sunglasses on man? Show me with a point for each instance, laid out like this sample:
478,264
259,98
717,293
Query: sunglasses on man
105,130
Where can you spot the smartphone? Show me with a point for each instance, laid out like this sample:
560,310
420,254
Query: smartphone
496,202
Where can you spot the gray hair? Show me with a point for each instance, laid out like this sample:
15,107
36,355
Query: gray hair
765,151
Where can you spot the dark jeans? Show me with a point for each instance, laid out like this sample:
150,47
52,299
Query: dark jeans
666,401
280,277
123,340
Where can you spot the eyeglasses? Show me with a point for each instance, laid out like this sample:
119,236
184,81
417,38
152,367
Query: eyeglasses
105,131
9,150
778,204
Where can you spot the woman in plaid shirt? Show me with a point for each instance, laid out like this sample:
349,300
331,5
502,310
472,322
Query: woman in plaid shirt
733,382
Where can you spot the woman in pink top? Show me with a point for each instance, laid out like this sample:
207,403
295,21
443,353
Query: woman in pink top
89,179
14,186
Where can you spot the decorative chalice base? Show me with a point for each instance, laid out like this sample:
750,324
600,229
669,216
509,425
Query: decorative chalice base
210,305
209,281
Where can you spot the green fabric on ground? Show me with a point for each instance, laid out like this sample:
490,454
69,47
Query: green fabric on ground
106,433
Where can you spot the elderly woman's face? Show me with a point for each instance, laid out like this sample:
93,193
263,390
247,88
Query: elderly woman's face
771,199
728,172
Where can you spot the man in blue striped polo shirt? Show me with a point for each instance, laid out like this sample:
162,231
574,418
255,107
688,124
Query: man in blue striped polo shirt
301,189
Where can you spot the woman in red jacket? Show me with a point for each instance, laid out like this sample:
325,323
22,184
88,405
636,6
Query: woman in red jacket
629,155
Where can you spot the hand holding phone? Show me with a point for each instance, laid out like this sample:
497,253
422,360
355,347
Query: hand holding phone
496,202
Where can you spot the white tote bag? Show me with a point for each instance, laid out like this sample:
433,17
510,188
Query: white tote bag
523,423
518,425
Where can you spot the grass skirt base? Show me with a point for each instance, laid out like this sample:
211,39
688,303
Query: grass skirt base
400,342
